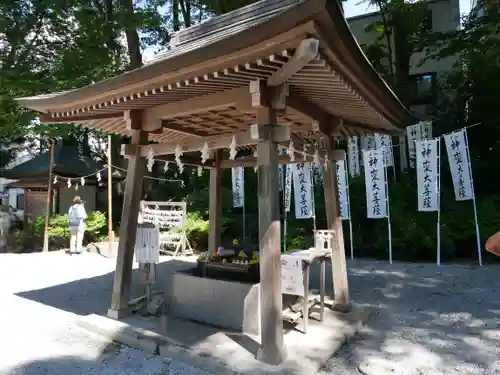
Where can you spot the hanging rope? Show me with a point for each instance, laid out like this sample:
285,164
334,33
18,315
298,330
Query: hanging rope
98,172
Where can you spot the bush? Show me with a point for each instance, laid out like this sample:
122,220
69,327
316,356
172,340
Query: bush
413,232
197,231
31,238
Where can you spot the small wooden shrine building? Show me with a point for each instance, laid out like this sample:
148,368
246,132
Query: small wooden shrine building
268,73
69,163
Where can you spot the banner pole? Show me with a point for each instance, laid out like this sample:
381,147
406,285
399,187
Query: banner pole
478,237
311,173
438,248
349,208
389,230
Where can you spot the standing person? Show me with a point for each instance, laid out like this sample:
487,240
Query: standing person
76,223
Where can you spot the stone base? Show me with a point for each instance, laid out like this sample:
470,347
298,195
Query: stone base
227,353
272,357
221,303
119,314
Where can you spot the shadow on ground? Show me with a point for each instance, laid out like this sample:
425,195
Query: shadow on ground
428,317
115,360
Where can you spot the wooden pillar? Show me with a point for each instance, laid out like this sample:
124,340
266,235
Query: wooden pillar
128,228
215,204
334,222
272,349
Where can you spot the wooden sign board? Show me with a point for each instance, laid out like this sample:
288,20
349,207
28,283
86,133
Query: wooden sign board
171,219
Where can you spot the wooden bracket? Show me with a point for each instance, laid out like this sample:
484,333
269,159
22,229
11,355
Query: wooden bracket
142,120
268,97
276,133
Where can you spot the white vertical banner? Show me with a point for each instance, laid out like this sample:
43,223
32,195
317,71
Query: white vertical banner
287,191
280,177
428,165
457,149
342,190
426,129
377,194
413,134
368,142
344,200
427,161
287,201
384,142
302,189
353,156
238,186
376,205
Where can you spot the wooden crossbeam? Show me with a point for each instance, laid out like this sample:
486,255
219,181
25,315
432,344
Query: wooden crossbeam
187,160
243,138
238,97
46,118
307,51
250,161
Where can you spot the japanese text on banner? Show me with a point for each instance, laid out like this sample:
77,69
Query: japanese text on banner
375,180
342,189
292,279
368,142
238,186
427,161
302,191
413,133
280,177
288,187
384,142
353,156
426,129
458,157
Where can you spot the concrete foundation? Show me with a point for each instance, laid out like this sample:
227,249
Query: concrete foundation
227,304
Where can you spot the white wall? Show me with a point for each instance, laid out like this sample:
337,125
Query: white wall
445,17
21,157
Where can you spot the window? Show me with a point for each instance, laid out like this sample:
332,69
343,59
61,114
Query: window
20,201
422,88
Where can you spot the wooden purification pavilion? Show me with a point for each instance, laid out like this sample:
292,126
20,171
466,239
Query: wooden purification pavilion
268,73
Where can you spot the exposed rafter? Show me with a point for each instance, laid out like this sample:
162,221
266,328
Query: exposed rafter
306,52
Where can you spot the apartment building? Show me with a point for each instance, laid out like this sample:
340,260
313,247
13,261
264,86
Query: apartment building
441,16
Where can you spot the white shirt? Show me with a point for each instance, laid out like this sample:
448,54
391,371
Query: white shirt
80,211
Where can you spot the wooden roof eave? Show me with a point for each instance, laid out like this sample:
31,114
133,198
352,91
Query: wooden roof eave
326,13
184,63
318,22
332,23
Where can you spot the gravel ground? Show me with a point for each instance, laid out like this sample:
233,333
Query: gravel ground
430,320
38,339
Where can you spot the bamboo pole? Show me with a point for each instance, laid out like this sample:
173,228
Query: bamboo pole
110,198
49,196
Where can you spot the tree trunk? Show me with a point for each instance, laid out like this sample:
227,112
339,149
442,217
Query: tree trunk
175,15
133,43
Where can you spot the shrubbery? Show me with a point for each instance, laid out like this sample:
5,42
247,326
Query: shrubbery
31,238
413,232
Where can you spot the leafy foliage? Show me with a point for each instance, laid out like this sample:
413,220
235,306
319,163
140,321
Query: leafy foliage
47,46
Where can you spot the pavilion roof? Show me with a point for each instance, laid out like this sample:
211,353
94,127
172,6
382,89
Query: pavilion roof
197,87
68,162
